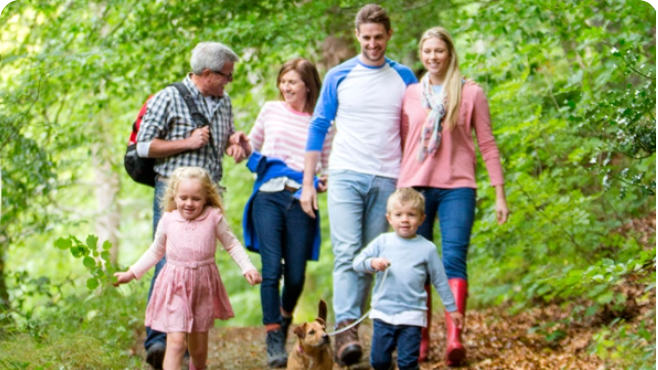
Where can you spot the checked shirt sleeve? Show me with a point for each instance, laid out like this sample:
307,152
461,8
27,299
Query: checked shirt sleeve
155,121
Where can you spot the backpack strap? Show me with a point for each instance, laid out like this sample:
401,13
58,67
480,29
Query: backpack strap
199,119
191,105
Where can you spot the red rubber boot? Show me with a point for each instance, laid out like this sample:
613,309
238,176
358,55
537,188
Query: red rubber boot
425,333
455,351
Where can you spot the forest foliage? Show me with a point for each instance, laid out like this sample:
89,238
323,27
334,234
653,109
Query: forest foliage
571,86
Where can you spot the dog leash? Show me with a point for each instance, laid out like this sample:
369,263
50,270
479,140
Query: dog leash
350,326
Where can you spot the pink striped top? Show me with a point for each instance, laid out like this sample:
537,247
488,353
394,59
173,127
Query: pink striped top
453,166
281,132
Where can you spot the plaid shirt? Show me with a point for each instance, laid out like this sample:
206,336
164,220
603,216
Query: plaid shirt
168,118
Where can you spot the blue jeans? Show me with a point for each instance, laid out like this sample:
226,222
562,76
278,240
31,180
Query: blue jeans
357,214
456,211
285,233
386,337
154,336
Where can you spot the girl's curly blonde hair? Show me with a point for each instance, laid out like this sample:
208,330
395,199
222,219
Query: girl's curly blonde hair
183,173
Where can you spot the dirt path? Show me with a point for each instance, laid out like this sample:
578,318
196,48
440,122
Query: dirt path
493,338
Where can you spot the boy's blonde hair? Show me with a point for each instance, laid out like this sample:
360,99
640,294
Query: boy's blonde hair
406,196
185,173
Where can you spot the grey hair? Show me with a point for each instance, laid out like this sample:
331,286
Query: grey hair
211,55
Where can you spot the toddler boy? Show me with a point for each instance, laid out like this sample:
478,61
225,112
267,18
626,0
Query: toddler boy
398,307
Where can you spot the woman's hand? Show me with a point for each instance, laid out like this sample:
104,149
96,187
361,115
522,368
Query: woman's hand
253,277
502,212
322,183
123,277
380,264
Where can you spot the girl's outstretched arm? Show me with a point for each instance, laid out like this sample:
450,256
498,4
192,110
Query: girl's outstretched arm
237,251
123,277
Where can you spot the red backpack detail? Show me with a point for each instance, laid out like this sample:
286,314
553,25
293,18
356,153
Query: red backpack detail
138,122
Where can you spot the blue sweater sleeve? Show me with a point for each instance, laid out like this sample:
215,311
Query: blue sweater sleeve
361,262
440,280
325,109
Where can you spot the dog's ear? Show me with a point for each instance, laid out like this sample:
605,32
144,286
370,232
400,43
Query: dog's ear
322,310
300,331
319,319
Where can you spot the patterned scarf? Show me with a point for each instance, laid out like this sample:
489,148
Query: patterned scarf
430,134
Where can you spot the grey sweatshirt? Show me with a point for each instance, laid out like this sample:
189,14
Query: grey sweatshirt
412,260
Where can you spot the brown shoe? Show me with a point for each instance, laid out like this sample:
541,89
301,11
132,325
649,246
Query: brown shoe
348,348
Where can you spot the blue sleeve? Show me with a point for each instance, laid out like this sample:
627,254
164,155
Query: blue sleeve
325,109
405,72
361,262
440,280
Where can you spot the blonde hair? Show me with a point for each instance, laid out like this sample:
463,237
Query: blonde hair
211,191
406,196
453,81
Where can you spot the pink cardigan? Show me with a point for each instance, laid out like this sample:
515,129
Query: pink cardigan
453,166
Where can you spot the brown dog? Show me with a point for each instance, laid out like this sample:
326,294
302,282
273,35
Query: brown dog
313,348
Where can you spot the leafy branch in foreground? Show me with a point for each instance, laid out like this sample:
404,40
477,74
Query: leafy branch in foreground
97,262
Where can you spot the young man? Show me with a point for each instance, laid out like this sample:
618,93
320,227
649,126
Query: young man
363,96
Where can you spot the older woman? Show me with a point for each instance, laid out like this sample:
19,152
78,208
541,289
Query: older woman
275,224
439,115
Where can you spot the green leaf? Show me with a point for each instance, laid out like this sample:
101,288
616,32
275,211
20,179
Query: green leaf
92,283
92,242
78,252
89,262
107,245
63,243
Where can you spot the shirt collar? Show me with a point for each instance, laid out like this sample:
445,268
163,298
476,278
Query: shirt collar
202,216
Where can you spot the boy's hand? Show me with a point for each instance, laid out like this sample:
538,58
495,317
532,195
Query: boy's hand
253,277
123,277
458,319
379,264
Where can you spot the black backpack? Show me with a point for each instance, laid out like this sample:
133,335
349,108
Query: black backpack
141,169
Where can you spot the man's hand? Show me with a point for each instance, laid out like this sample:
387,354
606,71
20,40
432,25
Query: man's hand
309,200
236,152
199,138
457,318
253,277
380,264
239,138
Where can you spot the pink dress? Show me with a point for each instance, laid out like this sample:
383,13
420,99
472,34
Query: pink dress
188,294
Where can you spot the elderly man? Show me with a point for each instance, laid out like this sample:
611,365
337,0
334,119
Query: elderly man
170,134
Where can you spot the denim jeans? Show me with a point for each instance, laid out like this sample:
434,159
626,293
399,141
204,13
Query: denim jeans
285,233
357,214
385,337
154,336
456,211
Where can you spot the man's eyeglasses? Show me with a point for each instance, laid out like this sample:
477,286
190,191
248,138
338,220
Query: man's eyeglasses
229,76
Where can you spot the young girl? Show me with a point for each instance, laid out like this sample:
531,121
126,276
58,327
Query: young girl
189,295
439,116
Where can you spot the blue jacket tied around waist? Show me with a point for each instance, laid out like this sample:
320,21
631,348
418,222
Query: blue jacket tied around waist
267,169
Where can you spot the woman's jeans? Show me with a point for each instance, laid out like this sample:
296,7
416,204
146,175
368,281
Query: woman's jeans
357,215
456,211
386,337
285,232
154,336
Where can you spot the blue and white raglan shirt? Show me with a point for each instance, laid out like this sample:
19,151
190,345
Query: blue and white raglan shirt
365,102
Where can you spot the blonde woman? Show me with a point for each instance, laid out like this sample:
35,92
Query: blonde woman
439,116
